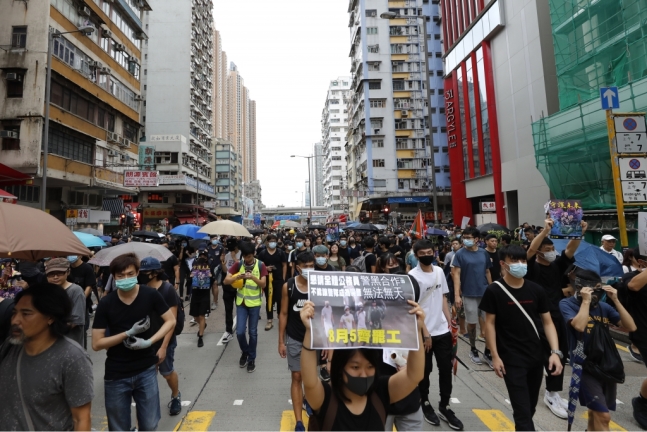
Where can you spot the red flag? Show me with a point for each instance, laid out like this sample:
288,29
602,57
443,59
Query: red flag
419,227
276,224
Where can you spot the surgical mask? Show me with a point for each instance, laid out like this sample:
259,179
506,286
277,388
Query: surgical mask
550,256
259,241
126,284
272,245
517,270
143,278
305,272
343,243
215,242
468,243
458,236
393,270
359,385
426,259
299,245
72,259
289,247
400,235
321,261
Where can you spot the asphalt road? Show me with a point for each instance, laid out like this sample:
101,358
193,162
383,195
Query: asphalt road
218,395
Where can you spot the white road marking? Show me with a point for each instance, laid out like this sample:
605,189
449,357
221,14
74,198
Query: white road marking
507,401
186,403
454,400
618,401
238,402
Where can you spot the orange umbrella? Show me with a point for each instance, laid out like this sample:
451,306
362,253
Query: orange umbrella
30,234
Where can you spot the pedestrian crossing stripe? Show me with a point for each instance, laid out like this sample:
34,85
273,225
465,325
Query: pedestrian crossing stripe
289,422
196,421
613,426
495,420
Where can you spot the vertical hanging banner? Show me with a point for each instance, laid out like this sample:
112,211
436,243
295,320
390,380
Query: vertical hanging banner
146,157
642,232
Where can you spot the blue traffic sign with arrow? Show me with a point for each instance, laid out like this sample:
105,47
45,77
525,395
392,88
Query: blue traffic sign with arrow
610,98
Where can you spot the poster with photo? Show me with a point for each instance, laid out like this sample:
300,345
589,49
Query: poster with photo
332,232
361,310
567,219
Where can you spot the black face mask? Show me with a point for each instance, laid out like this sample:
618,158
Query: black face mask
426,259
143,278
394,270
359,385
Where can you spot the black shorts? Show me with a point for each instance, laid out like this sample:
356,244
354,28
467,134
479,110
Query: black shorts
200,302
597,395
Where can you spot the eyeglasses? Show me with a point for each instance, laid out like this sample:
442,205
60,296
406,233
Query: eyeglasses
56,274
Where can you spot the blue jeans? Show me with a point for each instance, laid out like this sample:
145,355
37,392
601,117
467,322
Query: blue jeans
141,388
243,313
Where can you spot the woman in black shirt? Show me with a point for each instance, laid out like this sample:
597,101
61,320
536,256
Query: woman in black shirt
357,398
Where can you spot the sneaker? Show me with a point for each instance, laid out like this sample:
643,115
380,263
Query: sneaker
200,342
175,406
206,315
299,427
474,356
227,337
307,408
448,416
324,375
251,366
635,355
214,306
555,404
193,322
243,360
488,360
429,414
480,338
640,411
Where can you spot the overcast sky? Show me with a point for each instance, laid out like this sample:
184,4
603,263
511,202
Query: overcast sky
287,51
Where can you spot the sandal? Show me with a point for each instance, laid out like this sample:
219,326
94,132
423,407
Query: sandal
269,326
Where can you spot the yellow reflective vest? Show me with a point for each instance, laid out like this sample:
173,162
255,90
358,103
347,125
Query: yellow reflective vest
250,293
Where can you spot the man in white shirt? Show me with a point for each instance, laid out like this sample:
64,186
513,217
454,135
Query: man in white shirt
608,245
438,337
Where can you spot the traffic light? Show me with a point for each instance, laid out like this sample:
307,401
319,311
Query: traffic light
386,209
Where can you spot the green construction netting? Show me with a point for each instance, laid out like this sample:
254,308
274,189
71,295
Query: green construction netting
597,43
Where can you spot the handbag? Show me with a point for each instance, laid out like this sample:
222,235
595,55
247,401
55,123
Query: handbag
543,340
602,358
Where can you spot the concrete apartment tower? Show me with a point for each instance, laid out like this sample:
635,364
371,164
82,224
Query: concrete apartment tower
334,121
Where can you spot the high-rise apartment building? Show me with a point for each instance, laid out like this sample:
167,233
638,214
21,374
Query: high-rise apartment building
229,179
254,192
179,91
316,167
388,146
334,121
219,85
94,127
241,117
252,156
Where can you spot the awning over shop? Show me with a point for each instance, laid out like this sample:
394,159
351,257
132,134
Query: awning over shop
114,205
10,176
6,197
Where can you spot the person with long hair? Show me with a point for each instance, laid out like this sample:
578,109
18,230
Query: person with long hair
335,259
387,263
357,397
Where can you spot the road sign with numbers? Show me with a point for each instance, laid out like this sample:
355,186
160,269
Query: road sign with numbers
634,191
631,134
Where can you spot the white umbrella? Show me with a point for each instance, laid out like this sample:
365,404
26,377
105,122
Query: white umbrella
105,256
225,227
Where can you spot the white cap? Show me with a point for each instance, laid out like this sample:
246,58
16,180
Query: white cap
608,237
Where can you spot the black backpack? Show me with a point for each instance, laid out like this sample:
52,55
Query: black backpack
181,316
602,358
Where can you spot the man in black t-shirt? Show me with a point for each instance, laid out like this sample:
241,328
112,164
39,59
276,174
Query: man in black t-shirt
215,252
299,247
546,269
277,264
491,243
172,266
516,348
371,259
354,248
343,249
635,297
82,274
321,254
295,294
130,368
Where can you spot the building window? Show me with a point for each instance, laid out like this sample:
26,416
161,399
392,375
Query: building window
378,163
12,141
373,49
378,143
398,85
19,37
71,145
14,84
371,30
376,123
24,193
374,66
374,85
371,13
377,103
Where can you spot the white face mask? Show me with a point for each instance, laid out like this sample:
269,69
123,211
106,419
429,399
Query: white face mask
550,256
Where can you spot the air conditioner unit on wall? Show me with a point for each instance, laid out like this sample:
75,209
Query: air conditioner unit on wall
120,47
12,76
106,33
124,157
112,137
105,71
112,153
85,11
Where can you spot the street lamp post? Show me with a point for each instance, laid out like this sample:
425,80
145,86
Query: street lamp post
309,180
432,159
53,34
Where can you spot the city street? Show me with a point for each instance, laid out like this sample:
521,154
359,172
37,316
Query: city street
218,395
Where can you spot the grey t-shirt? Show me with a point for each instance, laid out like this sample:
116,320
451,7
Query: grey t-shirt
77,295
473,265
52,382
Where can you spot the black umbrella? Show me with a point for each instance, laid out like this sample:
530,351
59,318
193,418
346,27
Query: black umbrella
486,228
255,231
149,234
365,228
316,227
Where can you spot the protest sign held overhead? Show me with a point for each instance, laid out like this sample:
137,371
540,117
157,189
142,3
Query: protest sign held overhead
361,310
567,218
